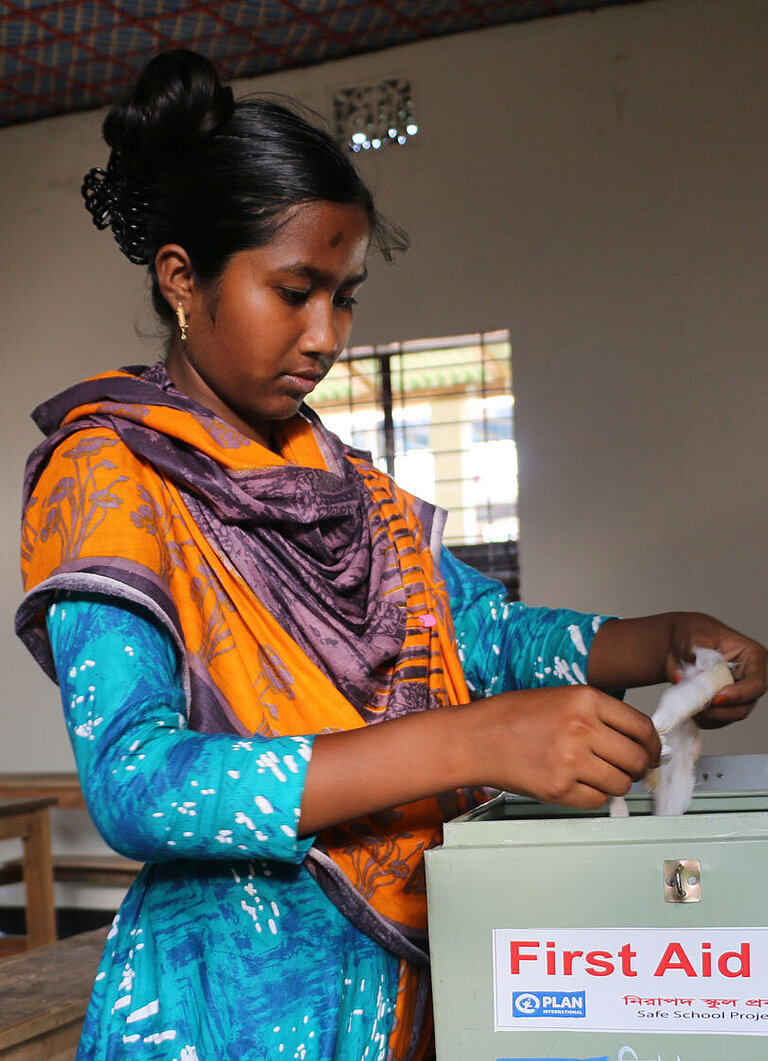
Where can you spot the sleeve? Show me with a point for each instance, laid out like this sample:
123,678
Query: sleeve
505,646
156,790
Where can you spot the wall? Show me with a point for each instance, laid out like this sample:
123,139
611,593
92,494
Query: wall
596,183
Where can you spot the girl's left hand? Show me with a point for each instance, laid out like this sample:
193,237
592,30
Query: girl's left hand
749,661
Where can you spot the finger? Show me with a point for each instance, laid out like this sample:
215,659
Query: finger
605,777
747,690
632,723
584,796
716,717
623,753
750,665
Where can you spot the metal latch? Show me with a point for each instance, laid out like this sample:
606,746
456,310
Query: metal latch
682,880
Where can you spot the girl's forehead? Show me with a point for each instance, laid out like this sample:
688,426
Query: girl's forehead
333,235
324,222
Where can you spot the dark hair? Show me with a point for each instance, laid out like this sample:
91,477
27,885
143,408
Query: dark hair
189,165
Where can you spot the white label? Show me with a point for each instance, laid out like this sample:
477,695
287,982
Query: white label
695,980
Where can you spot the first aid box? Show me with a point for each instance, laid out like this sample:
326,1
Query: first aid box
562,936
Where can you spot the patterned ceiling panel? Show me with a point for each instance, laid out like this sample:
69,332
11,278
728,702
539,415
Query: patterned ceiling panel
70,55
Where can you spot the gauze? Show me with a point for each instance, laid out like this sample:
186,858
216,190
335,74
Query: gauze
672,782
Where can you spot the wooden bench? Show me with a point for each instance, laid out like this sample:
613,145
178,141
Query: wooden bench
44,996
63,787
27,820
112,871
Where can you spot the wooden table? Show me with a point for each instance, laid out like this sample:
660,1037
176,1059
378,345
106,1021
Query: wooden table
27,820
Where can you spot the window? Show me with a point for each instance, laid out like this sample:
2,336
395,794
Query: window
438,415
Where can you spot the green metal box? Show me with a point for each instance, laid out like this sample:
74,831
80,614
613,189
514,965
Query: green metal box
563,936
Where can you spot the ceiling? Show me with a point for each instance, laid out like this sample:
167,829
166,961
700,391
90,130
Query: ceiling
71,55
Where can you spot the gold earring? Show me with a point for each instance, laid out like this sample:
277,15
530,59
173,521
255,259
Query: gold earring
181,317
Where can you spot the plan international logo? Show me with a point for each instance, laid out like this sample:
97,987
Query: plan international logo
549,1004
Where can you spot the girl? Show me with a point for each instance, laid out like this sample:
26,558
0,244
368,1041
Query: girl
264,654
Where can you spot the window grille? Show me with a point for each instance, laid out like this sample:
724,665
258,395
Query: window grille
438,415
375,114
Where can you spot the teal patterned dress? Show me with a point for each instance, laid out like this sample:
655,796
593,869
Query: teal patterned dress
225,947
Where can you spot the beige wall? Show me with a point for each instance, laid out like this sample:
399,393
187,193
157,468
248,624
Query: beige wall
596,183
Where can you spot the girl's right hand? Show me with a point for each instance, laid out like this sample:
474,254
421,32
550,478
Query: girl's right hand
571,745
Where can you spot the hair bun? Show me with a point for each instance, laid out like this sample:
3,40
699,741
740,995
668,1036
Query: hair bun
177,101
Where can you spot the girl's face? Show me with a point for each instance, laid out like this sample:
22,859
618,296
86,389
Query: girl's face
276,320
